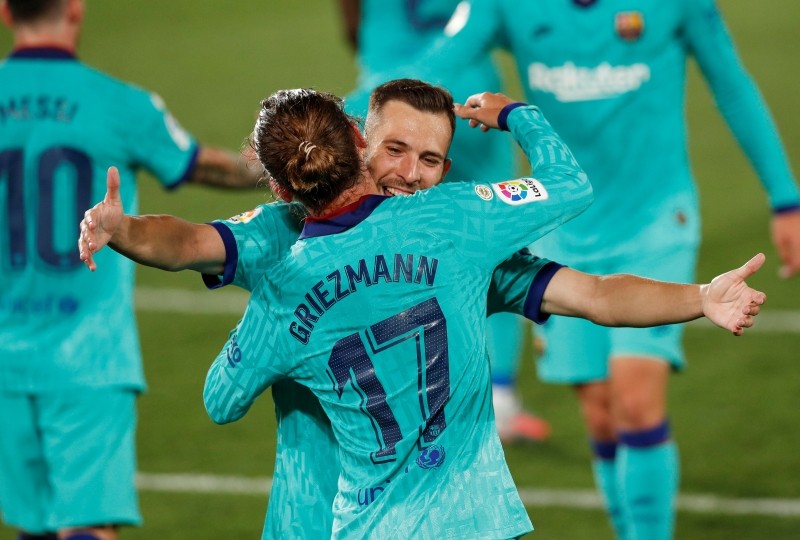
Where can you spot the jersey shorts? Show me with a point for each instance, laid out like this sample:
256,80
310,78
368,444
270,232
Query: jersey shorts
92,479
578,351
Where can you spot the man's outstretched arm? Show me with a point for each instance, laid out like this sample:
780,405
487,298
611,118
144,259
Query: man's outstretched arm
160,241
627,300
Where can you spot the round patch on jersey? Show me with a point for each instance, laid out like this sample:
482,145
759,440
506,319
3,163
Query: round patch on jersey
484,192
629,25
431,457
244,217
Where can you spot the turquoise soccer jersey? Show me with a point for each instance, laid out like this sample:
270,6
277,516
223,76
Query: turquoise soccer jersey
254,240
380,312
305,478
390,32
62,124
616,95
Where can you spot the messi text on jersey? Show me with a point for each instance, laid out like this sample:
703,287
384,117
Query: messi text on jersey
41,107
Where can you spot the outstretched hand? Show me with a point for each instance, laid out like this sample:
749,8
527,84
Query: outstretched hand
729,302
101,222
482,109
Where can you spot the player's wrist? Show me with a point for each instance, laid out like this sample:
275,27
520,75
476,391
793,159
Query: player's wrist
502,118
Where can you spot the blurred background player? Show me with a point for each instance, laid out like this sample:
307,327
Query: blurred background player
611,77
70,366
385,34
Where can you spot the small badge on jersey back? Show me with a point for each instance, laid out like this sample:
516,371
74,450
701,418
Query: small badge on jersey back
431,457
484,192
520,191
244,217
629,25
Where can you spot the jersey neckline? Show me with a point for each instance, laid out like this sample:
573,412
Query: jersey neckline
344,219
42,53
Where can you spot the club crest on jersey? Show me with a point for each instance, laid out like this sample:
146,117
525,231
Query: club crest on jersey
244,217
431,457
484,192
521,191
629,25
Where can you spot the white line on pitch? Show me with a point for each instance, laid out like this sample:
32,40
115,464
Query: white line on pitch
233,302
563,498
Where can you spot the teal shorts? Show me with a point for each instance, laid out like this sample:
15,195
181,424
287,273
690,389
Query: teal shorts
577,351
67,459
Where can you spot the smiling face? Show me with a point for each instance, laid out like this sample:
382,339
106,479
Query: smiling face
407,148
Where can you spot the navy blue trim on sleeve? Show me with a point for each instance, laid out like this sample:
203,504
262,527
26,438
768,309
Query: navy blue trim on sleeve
188,172
502,118
231,258
533,302
786,209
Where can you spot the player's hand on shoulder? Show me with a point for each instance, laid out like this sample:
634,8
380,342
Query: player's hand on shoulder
483,109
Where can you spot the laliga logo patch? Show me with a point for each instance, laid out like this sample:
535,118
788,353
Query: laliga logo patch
431,457
484,192
244,217
629,25
522,191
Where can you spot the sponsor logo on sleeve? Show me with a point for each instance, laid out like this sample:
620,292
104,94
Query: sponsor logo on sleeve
484,192
245,217
521,191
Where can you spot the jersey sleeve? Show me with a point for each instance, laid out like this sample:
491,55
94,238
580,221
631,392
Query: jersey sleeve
245,367
492,221
160,144
518,286
252,241
740,101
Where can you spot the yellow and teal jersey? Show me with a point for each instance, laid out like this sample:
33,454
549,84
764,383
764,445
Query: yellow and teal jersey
611,77
62,124
380,312
393,31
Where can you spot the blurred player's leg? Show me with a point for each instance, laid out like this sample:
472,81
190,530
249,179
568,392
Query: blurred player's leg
647,457
505,333
595,402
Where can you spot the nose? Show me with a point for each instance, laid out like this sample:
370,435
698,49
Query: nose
410,170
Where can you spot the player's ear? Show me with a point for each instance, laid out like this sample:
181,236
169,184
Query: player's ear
446,167
361,142
75,9
5,13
